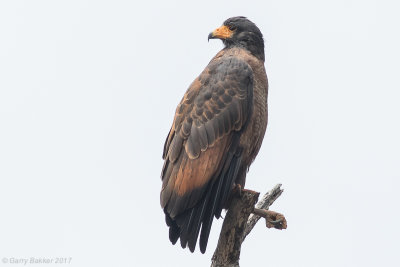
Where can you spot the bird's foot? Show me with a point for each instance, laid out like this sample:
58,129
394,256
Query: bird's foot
272,219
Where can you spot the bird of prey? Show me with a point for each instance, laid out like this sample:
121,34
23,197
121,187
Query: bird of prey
216,134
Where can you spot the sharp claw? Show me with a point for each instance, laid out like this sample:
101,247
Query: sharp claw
276,222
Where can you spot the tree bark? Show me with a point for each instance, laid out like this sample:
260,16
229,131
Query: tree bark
238,224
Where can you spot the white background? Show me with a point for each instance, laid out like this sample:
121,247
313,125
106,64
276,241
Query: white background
88,90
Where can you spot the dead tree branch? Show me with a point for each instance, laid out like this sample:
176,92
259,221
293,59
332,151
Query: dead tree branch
267,200
238,224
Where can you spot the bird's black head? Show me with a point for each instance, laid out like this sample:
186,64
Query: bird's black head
239,31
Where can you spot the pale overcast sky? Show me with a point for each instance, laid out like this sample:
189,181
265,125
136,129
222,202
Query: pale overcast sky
88,90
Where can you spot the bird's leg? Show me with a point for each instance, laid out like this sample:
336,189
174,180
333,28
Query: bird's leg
272,219
238,190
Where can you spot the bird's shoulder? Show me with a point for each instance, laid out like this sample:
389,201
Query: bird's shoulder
216,103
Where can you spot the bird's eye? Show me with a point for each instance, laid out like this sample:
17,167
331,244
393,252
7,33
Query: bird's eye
232,27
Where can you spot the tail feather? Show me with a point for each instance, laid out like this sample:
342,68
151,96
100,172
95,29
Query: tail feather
174,231
195,229
209,216
187,225
228,182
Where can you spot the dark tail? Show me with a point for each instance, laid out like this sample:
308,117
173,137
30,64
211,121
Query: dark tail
186,226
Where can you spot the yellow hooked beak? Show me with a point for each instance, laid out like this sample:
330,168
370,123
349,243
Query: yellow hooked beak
222,32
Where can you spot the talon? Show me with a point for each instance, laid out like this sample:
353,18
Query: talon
272,218
276,222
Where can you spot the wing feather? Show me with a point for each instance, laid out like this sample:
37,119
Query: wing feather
201,151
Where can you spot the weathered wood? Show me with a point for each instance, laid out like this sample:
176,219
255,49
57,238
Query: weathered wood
227,252
238,223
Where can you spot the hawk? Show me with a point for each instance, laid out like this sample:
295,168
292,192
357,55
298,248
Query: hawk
216,133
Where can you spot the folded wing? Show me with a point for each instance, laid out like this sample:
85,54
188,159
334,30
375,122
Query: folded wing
202,154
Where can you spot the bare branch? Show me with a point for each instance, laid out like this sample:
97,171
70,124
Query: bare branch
227,252
238,223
